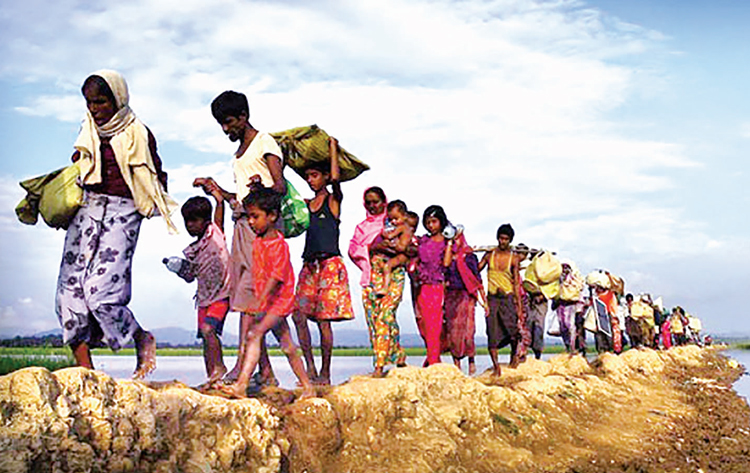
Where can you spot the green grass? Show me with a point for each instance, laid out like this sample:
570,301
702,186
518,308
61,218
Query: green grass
229,351
10,363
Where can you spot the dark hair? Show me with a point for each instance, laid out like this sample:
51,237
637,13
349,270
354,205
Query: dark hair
323,166
265,199
437,212
378,191
102,86
505,229
629,296
413,216
196,207
398,204
229,104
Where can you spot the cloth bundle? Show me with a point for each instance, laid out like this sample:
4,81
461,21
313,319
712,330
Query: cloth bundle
55,196
309,144
550,269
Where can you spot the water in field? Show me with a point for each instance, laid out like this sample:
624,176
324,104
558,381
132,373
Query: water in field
742,385
190,369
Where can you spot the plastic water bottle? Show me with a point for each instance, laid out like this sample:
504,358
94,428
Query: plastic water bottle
176,264
452,231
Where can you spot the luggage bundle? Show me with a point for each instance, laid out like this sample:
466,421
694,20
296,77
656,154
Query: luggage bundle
555,278
55,196
305,145
543,275
301,147
571,283
606,280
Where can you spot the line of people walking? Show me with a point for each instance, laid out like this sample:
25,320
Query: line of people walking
123,182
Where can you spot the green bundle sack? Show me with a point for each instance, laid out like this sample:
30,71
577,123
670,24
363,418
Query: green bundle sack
295,218
56,196
309,144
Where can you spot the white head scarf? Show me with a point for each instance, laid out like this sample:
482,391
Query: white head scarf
128,137
124,116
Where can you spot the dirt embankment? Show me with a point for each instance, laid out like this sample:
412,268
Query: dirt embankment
643,411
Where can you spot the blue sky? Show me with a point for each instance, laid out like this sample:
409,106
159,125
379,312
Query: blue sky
611,132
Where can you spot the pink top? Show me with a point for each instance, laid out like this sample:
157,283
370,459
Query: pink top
359,246
430,263
271,261
209,260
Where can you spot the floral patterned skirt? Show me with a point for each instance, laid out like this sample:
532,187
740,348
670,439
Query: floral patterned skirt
380,313
93,288
323,290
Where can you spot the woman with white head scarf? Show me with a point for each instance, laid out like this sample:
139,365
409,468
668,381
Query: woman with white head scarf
123,182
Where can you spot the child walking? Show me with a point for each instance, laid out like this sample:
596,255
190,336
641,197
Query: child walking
273,287
323,287
208,260
504,298
258,159
431,264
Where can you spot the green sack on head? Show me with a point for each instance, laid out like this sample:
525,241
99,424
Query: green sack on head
309,144
295,218
56,196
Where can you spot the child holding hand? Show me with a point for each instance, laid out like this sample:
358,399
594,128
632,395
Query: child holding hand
208,260
273,286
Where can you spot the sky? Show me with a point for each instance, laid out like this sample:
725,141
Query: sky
613,133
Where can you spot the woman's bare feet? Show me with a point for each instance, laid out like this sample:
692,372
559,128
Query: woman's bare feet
472,368
378,372
145,348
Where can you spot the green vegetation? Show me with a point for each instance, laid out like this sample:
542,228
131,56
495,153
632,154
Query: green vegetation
10,363
53,358
47,351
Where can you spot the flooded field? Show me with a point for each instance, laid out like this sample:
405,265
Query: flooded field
189,369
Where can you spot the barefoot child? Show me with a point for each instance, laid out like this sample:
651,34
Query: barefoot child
209,264
396,236
323,287
431,265
273,287
258,159
503,297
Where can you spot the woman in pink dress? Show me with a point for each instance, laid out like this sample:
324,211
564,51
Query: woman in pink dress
380,310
